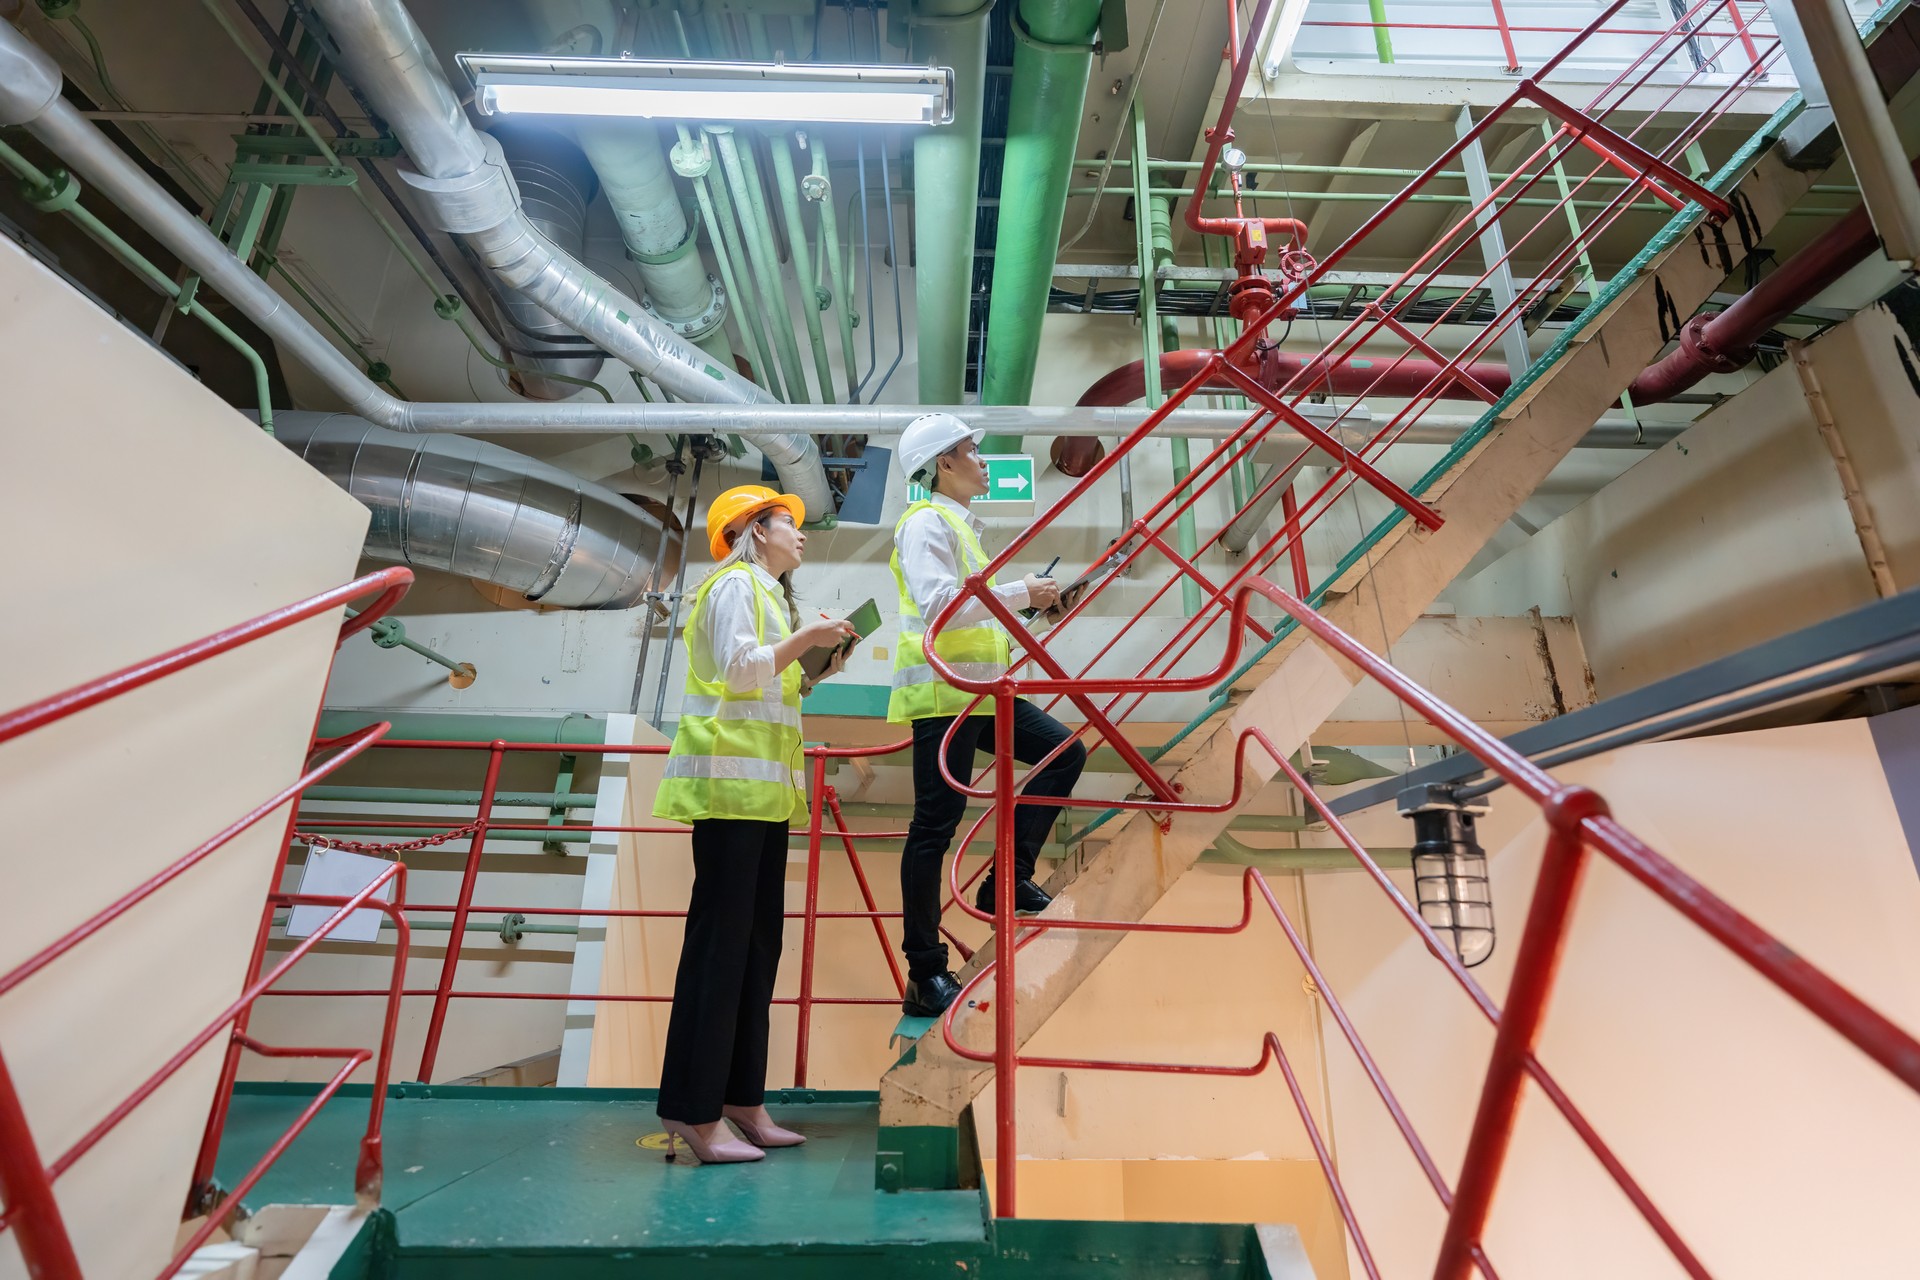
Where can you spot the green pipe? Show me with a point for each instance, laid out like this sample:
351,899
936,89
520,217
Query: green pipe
1382,37
1053,55
432,726
946,187
1154,242
743,176
434,795
693,158
789,186
375,369
296,116
62,195
841,280
390,633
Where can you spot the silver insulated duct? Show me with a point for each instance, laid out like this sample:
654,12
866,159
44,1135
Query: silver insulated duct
472,508
556,185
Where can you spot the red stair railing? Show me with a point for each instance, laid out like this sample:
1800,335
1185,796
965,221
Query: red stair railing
1610,136
1374,343
827,824
1578,824
26,1178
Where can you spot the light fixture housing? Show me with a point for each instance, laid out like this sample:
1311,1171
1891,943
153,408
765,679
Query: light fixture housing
662,89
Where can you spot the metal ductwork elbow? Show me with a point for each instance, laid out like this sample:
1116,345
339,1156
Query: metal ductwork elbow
475,509
556,184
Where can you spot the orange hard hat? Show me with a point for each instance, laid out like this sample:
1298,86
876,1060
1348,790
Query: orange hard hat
742,502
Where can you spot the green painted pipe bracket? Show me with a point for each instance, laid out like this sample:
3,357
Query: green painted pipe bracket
294,175
252,144
59,193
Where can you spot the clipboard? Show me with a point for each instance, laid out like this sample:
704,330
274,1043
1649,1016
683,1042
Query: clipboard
865,620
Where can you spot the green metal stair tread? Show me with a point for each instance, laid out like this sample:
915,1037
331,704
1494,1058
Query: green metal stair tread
520,1174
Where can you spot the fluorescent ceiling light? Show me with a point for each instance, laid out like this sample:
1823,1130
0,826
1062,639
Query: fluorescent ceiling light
889,93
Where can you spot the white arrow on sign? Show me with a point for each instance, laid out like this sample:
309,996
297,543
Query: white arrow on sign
1016,481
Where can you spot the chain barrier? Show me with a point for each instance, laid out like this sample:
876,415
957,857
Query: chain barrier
316,841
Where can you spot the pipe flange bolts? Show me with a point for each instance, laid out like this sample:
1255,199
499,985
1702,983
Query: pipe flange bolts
691,159
388,633
822,297
697,326
815,187
1693,338
512,927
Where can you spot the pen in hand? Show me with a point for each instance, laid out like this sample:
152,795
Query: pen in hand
1044,573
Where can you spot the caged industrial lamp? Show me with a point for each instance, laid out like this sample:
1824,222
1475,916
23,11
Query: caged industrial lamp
1450,869
681,89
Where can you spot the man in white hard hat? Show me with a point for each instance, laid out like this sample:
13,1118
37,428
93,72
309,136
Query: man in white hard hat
936,546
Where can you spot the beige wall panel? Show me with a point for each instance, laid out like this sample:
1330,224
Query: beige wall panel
139,513
1736,532
1776,1149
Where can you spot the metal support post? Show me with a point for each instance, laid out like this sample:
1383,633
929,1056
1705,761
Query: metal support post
1006,1044
810,923
1541,946
1493,245
449,967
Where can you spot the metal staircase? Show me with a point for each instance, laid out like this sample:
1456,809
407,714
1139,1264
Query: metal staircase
1282,662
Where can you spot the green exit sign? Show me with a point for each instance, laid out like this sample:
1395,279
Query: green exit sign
1009,479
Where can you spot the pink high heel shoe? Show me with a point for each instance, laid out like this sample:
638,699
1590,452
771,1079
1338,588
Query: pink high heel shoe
721,1150
768,1134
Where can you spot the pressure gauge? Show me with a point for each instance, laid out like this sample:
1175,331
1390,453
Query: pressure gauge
1234,158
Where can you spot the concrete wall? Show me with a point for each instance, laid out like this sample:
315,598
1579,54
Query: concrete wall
1736,532
139,513
1776,1149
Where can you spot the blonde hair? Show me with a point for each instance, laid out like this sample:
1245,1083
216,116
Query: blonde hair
743,551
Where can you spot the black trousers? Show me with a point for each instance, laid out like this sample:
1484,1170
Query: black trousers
938,808
717,1035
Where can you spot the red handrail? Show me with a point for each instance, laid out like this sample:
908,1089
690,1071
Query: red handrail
444,992
1577,820
1387,318
31,1210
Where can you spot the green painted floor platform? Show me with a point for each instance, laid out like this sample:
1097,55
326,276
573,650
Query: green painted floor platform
484,1183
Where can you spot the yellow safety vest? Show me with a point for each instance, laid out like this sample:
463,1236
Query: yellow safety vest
979,652
736,755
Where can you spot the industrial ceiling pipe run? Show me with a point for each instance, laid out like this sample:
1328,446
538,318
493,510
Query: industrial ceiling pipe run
1724,342
463,181
30,96
30,84
1355,376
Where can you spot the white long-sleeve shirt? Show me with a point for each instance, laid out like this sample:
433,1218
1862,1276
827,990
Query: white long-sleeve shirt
725,641
930,562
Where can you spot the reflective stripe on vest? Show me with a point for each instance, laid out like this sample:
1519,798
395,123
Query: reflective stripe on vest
736,755
979,652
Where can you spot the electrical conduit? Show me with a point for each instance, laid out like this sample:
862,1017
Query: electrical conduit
1052,59
749,202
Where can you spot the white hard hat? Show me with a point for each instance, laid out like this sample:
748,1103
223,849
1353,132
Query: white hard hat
930,435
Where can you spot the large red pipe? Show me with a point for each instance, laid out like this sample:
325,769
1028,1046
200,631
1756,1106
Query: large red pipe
1725,342
1355,376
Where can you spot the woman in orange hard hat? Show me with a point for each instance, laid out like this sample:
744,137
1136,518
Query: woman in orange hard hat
736,774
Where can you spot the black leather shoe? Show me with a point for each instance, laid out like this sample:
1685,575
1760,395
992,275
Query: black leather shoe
929,997
1029,899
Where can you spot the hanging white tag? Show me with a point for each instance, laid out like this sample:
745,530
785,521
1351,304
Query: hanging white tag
335,873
